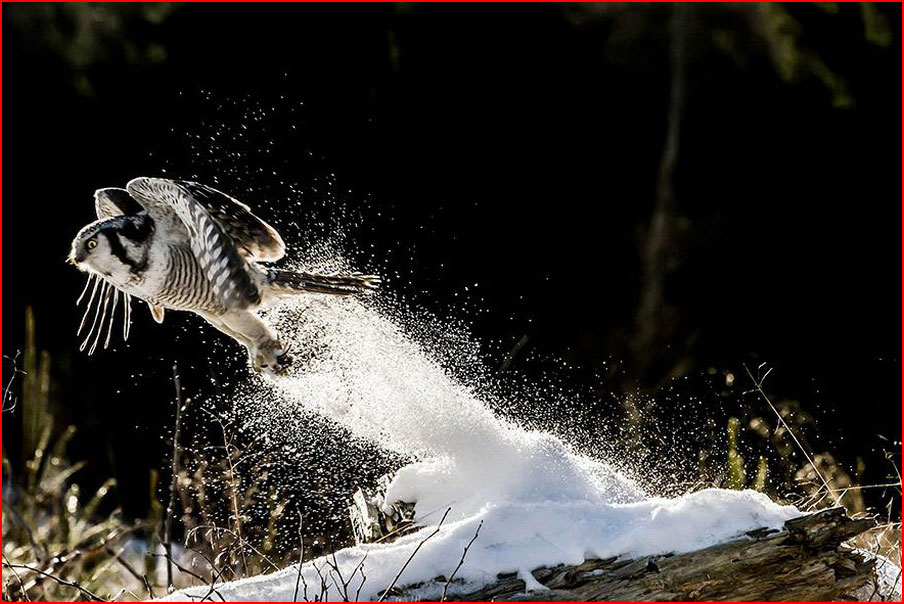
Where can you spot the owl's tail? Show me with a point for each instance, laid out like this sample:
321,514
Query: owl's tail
339,285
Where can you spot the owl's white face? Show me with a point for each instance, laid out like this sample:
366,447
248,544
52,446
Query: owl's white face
115,248
94,254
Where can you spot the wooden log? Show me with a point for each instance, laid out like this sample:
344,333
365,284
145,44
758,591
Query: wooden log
805,561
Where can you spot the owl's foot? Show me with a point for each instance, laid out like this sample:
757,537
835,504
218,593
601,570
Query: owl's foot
271,357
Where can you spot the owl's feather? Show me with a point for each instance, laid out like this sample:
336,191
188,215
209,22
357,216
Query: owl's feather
113,201
254,238
337,285
211,244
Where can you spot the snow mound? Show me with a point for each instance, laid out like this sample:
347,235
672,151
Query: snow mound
537,502
520,537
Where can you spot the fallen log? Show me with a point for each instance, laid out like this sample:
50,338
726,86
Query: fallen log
805,561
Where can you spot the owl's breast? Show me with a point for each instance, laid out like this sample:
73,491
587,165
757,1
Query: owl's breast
175,279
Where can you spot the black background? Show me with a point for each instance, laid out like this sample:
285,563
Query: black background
516,147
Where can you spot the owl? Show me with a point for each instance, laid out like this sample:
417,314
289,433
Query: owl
181,245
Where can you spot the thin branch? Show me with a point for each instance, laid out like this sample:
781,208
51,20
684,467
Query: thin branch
168,522
460,562
131,570
22,589
56,579
213,582
237,539
233,498
759,387
324,590
181,568
300,576
363,579
413,554
334,567
8,395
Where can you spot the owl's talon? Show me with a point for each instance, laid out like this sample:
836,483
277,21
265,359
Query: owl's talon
273,359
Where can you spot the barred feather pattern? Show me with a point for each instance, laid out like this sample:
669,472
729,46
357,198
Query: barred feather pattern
187,284
215,251
253,237
337,285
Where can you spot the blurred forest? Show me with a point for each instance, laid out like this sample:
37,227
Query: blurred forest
644,200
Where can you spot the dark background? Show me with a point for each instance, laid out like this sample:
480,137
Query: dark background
516,147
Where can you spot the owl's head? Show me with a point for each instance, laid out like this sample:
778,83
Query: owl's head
114,248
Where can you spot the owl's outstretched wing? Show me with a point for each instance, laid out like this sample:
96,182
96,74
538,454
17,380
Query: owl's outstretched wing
113,201
254,238
210,222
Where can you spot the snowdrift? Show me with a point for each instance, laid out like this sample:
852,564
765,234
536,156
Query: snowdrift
516,537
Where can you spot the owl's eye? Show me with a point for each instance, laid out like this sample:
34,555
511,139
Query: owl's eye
92,243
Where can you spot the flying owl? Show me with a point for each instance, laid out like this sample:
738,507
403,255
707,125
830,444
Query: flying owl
184,246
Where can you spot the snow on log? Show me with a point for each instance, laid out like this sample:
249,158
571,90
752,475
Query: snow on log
801,558
805,561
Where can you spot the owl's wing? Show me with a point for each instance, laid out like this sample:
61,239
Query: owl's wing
113,201
253,237
211,242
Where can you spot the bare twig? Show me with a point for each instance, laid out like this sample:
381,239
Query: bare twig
22,589
300,577
460,562
342,585
8,396
413,554
56,579
117,556
230,448
323,587
213,582
181,568
236,539
758,384
363,579
168,522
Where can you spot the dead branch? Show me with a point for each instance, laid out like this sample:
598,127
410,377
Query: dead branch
300,576
117,556
460,562
168,522
758,385
59,580
22,589
411,557
182,569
